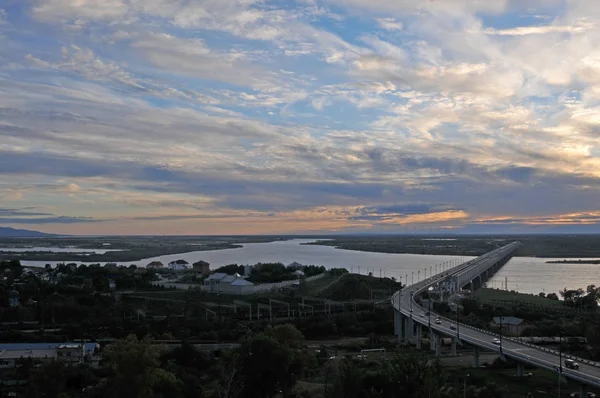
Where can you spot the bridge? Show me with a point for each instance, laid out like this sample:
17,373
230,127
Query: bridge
410,318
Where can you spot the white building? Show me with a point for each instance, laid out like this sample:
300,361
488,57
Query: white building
179,265
215,278
241,286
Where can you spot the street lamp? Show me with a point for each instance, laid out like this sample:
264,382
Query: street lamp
457,319
501,319
413,278
418,275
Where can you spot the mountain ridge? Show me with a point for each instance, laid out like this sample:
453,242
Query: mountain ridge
7,232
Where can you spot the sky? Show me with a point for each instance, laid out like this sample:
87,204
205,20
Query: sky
299,117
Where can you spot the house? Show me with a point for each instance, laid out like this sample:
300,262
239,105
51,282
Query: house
13,298
178,265
155,265
71,352
202,267
298,273
241,286
510,324
230,278
215,278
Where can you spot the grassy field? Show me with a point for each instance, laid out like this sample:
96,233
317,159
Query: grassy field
506,297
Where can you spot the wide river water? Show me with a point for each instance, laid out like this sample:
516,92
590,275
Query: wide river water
524,274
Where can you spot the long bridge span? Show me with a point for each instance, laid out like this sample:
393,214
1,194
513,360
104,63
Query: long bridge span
410,321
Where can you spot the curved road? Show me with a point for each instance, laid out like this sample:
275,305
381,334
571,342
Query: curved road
588,372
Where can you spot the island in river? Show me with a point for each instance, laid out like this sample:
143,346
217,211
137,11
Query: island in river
549,246
574,262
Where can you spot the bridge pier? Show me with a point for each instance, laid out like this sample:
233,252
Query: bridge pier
476,357
520,369
454,340
411,328
583,391
438,345
419,336
406,330
398,325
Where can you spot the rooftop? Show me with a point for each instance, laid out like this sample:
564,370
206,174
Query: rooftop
16,354
241,282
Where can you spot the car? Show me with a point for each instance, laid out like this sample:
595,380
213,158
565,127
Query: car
438,321
496,341
571,364
453,327
422,314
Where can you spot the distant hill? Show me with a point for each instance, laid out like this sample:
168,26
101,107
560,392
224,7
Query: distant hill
6,232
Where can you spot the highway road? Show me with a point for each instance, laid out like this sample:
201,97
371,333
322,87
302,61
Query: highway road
588,372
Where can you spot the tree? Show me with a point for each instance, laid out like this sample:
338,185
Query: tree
48,381
287,335
552,296
266,367
135,371
229,369
348,381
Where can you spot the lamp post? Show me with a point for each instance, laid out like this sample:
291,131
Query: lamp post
412,278
418,275
501,319
560,368
429,315
457,319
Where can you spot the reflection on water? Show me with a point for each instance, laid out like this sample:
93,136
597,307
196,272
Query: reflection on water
533,275
525,274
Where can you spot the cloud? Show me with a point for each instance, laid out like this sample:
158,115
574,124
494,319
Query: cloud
191,57
182,115
20,212
580,27
389,24
47,220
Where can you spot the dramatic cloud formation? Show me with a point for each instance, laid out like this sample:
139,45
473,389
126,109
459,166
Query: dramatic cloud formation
247,116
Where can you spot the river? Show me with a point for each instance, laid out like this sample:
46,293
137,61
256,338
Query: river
524,274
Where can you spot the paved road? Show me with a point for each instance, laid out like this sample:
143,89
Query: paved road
588,373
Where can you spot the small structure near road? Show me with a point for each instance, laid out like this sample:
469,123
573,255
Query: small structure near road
510,324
